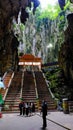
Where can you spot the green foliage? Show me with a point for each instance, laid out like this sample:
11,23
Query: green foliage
59,85
55,79
22,27
50,12
67,5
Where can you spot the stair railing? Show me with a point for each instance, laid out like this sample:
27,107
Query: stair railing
37,97
35,86
4,75
52,95
8,86
22,85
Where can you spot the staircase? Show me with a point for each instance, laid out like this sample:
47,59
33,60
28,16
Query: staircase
43,92
6,80
13,96
28,93
23,85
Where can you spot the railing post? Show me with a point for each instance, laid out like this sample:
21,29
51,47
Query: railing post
37,98
22,84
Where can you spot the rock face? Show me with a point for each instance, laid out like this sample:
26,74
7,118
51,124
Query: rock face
8,42
66,52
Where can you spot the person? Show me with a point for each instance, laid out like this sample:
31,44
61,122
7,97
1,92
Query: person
21,107
33,108
27,108
59,105
30,108
44,113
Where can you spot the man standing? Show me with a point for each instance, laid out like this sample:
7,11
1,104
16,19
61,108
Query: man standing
21,107
44,114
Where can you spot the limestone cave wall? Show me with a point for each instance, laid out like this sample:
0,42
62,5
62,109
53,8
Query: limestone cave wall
8,42
66,52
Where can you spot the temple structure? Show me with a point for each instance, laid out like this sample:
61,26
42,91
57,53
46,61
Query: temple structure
30,60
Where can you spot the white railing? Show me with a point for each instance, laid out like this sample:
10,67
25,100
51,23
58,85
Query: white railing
4,75
52,95
22,84
8,86
35,86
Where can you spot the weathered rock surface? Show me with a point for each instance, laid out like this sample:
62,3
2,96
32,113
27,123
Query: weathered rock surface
66,50
8,42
